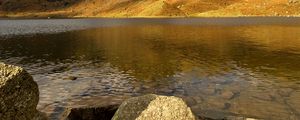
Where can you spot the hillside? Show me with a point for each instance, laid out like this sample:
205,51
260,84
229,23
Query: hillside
148,8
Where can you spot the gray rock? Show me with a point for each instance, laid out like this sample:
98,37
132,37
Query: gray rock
19,94
154,107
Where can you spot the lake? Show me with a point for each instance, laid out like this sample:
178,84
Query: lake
220,66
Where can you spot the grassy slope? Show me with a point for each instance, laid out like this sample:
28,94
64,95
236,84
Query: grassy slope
149,8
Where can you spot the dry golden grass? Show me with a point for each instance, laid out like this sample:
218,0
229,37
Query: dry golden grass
149,8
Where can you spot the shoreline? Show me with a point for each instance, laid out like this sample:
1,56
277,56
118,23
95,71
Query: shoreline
68,15
148,17
143,17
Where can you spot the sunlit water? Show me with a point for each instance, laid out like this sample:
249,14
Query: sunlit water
222,67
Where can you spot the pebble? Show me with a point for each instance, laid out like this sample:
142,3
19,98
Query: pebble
227,95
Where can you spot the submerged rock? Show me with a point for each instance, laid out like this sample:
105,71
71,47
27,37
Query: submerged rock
90,113
227,94
19,94
154,107
71,78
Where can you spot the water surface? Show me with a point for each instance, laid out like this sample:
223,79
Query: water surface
222,67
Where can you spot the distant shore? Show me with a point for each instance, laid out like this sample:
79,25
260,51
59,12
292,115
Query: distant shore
148,8
54,16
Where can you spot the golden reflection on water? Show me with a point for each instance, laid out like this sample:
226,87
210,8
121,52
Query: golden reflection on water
258,64
267,56
158,51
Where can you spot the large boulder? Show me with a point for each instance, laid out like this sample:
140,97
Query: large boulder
154,107
19,94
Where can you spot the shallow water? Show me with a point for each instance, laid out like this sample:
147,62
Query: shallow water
222,67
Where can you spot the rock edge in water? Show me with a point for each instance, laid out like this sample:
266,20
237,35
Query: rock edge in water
90,113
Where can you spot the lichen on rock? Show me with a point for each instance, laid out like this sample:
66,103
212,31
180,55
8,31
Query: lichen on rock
154,107
19,94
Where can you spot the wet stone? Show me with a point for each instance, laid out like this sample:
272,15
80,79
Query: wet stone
71,78
90,113
227,94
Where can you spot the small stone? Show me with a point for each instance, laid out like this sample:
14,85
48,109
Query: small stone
71,78
227,95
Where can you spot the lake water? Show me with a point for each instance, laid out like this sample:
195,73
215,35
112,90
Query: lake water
220,66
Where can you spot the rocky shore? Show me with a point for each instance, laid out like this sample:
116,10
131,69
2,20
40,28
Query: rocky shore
20,96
